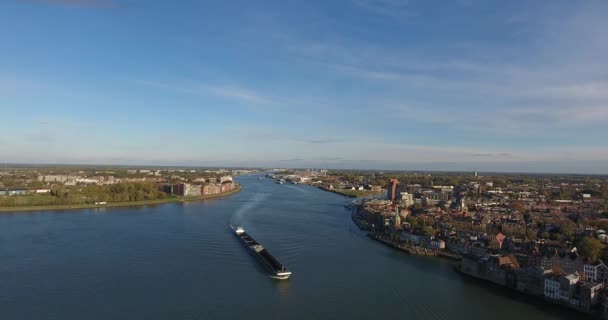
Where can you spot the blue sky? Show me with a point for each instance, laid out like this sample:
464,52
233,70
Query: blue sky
387,84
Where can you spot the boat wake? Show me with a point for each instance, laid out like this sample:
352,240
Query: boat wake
295,188
237,217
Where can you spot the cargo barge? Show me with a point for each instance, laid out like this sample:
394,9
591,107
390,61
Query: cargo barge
275,268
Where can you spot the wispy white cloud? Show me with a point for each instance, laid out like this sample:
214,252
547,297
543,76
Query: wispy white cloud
102,4
560,84
230,92
505,122
412,153
420,80
268,135
236,93
571,115
375,154
393,8
588,91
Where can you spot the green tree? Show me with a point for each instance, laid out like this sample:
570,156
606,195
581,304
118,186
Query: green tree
531,234
381,182
556,236
412,221
591,247
566,228
517,206
416,208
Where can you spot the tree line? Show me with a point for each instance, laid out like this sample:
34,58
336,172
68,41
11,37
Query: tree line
88,194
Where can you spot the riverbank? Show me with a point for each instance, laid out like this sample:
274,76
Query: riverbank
399,245
538,300
413,250
362,224
486,283
117,204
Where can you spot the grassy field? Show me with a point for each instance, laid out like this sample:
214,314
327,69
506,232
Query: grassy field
353,193
116,204
360,193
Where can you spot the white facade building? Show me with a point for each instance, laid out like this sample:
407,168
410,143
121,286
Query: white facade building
552,288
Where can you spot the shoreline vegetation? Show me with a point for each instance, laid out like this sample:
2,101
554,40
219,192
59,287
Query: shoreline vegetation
352,193
14,209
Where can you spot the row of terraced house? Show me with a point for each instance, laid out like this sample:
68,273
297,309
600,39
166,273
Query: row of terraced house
578,284
200,187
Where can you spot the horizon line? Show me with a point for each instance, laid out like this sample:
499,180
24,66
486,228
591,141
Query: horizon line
36,164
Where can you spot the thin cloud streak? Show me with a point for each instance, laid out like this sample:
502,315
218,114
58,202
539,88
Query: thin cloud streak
225,91
235,93
100,4
391,8
490,95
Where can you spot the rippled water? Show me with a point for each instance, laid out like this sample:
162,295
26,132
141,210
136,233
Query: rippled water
180,261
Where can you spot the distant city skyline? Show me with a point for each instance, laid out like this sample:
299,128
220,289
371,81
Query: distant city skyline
515,86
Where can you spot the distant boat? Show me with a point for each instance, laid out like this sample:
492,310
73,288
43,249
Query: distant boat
275,268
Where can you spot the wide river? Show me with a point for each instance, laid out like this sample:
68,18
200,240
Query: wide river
180,261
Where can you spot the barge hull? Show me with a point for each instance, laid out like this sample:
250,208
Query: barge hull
275,268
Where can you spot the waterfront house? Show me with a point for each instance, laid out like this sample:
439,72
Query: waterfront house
571,291
414,238
226,186
567,287
437,244
590,295
192,190
565,259
494,268
478,248
211,188
178,189
552,285
456,245
595,271
531,280
410,238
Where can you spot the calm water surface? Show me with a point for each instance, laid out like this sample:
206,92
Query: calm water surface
180,261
